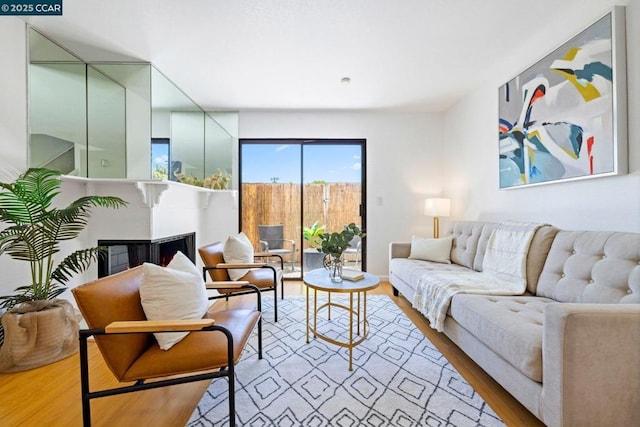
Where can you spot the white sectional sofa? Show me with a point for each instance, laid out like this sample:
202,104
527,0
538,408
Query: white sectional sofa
569,348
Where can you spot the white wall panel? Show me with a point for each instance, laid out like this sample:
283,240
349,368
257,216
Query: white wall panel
403,165
471,149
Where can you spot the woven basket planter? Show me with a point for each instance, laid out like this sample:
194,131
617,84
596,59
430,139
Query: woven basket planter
37,334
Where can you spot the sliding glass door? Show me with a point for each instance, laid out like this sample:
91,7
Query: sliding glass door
291,189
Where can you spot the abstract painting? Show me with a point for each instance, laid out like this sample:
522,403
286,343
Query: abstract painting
564,118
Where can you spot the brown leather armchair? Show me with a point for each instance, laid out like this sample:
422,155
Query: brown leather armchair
264,276
112,309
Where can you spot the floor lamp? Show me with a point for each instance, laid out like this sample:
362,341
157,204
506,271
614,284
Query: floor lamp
436,208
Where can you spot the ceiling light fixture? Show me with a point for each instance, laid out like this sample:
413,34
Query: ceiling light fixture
345,80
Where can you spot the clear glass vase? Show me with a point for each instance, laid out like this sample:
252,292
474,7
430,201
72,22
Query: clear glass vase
334,265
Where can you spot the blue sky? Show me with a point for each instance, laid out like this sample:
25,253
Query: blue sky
330,163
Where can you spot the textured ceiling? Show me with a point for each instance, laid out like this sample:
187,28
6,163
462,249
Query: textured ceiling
404,55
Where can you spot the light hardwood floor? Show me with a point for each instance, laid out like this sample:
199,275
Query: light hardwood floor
50,396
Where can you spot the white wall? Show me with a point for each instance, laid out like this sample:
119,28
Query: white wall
403,165
471,151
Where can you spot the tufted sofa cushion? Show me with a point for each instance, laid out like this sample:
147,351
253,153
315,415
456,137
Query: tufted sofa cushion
470,240
483,241
538,251
466,235
411,270
510,326
592,267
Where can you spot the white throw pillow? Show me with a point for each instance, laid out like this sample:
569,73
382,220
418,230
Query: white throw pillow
436,250
238,250
173,292
181,262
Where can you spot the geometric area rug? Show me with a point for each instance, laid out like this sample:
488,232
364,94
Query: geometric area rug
399,378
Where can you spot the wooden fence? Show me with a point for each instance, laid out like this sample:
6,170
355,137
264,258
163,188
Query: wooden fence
333,205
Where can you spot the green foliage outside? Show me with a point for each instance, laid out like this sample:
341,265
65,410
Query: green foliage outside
313,234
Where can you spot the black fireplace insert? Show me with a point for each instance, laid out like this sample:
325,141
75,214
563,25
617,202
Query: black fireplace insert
124,254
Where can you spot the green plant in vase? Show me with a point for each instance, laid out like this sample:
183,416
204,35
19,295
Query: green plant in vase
333,245
33,234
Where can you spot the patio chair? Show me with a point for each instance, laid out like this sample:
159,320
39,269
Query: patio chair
272,241
355,247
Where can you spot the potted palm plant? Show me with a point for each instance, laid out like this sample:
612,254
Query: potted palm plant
334,245
38,327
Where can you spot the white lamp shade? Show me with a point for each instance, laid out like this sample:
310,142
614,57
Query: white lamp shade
437,207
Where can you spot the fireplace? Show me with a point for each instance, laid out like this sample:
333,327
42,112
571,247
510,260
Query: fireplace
124,254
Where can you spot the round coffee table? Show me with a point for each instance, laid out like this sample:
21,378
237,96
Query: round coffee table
319,280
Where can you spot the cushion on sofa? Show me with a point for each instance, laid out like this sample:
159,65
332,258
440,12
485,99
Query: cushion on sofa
592,267
483,241
435,250
538,251
411,270
510,326
465,242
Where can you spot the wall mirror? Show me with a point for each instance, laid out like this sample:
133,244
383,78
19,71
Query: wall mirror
179,121
57,107
117,120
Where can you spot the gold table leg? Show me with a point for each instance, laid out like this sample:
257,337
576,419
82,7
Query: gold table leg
364,315
358,314
315,312
351,331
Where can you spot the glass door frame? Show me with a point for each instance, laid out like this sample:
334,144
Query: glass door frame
302,142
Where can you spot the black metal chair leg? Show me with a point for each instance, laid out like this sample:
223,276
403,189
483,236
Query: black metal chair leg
260,338
275,302
232,376
84,381
232,400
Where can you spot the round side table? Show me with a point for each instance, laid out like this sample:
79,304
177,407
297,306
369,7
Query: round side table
318,280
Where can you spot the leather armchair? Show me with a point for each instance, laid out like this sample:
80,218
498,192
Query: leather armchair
262,275
112,309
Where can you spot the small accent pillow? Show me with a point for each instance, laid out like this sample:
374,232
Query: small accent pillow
436,250
238,250
176,291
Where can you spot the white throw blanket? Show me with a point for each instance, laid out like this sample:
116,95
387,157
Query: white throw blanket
504,273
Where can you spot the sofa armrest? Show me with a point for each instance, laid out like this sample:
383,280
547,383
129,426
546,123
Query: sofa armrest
591,364
399,250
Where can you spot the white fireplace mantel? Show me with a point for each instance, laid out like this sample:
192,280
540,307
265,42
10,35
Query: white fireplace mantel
156,209
150,190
